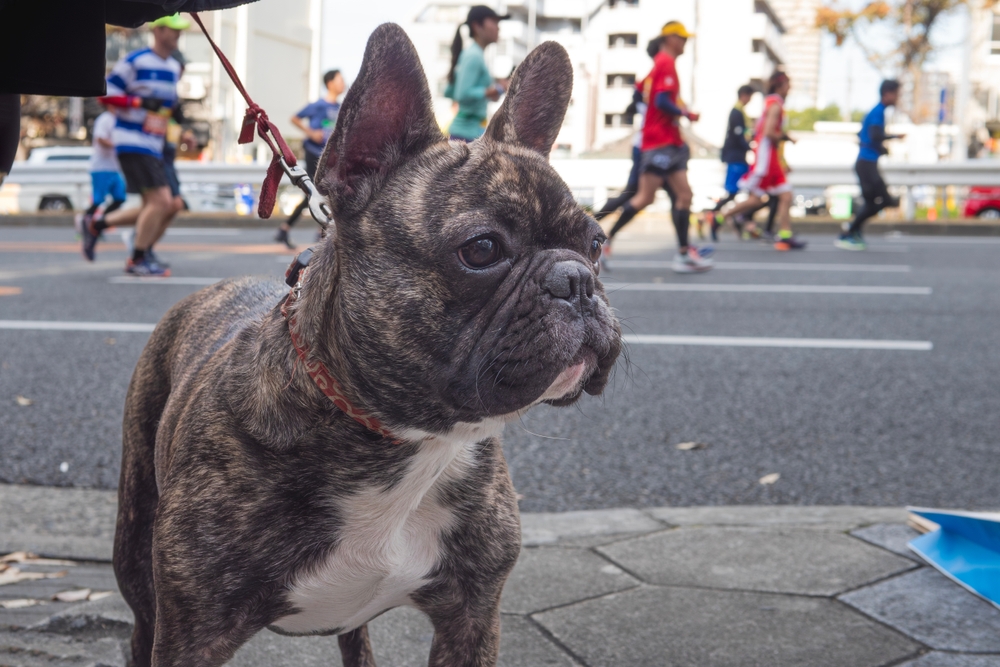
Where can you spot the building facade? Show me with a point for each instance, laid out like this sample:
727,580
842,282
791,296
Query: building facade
606,41
802,46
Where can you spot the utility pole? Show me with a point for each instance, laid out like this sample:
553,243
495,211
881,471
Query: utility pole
959,149
532,19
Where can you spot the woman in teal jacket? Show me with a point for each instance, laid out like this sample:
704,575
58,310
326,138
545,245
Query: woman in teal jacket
469,81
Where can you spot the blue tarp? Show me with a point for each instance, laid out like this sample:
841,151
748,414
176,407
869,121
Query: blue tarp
966,549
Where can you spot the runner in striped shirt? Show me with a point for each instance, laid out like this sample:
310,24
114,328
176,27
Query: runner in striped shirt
142,88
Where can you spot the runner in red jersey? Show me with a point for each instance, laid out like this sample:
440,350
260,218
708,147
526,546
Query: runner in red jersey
767,176
664,156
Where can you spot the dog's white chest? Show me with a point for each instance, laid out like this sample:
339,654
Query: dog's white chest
389,544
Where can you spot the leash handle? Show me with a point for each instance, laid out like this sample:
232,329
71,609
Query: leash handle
282,158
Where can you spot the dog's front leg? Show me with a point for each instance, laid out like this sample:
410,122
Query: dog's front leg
468,637
356,648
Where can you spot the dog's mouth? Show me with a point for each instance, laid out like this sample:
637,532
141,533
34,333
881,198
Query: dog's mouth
569,384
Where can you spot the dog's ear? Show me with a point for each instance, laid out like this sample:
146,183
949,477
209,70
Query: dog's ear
386,116
536,103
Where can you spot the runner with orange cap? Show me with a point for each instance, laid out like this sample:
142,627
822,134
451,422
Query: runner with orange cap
665,156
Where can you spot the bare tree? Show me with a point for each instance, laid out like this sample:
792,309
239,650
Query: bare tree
912,22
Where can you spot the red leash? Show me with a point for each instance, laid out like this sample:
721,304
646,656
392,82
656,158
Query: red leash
282,160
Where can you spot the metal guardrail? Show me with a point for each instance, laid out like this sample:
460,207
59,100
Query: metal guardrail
583,175
576,172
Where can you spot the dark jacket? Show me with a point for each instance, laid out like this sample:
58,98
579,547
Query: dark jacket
735,147
56,47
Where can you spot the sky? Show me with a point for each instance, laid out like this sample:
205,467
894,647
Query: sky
347,25
846,77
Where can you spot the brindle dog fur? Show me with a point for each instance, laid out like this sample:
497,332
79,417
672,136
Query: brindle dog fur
248,500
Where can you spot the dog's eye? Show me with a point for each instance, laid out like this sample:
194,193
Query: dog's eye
595,250
480,252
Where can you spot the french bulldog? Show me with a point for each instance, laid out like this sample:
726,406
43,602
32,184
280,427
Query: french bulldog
306,460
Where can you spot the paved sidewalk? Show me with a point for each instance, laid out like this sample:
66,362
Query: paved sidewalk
701,586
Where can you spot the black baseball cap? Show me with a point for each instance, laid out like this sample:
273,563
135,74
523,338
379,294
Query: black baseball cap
477,13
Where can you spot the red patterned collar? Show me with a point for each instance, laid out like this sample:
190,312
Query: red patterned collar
316,369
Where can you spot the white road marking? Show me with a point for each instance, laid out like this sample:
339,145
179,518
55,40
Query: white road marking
635,339
49,325
945,240
135,280
767,289
766,266
814,343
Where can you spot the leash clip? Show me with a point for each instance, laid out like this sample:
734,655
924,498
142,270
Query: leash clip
318,208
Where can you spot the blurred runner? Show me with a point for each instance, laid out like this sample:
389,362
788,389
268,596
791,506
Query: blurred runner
873,187
768,175
470,83
105,175
317,121
143,88
638,110
734,154
664,153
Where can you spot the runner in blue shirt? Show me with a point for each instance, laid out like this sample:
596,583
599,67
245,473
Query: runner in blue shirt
873,187
317,121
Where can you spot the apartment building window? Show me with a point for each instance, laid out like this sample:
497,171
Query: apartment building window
621,80
995,35
623,40
618,120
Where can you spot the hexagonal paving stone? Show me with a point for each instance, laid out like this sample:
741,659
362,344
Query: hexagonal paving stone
780,560
675,627
932,609
891,536
547,577
400,638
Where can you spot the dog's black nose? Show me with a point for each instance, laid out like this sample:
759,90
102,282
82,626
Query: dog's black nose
570,280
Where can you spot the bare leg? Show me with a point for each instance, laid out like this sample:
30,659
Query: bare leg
784,207
123,217
356,648
157,206
177,205
752,202
648,184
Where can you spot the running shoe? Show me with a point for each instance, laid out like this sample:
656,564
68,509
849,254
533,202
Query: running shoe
704,251
282,237
153,258
850,242
750,233
88,236
145,269
785,243
691,262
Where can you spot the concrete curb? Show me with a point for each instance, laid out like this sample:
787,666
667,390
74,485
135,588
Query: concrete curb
80,523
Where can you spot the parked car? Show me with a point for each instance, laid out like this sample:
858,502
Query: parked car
31,187
983,202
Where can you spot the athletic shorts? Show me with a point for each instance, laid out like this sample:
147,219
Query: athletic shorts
734,172
143,172
766,177
665,160
104,183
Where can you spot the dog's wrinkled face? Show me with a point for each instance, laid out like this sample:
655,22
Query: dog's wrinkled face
462,280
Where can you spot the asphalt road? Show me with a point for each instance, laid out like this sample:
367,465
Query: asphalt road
840,425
